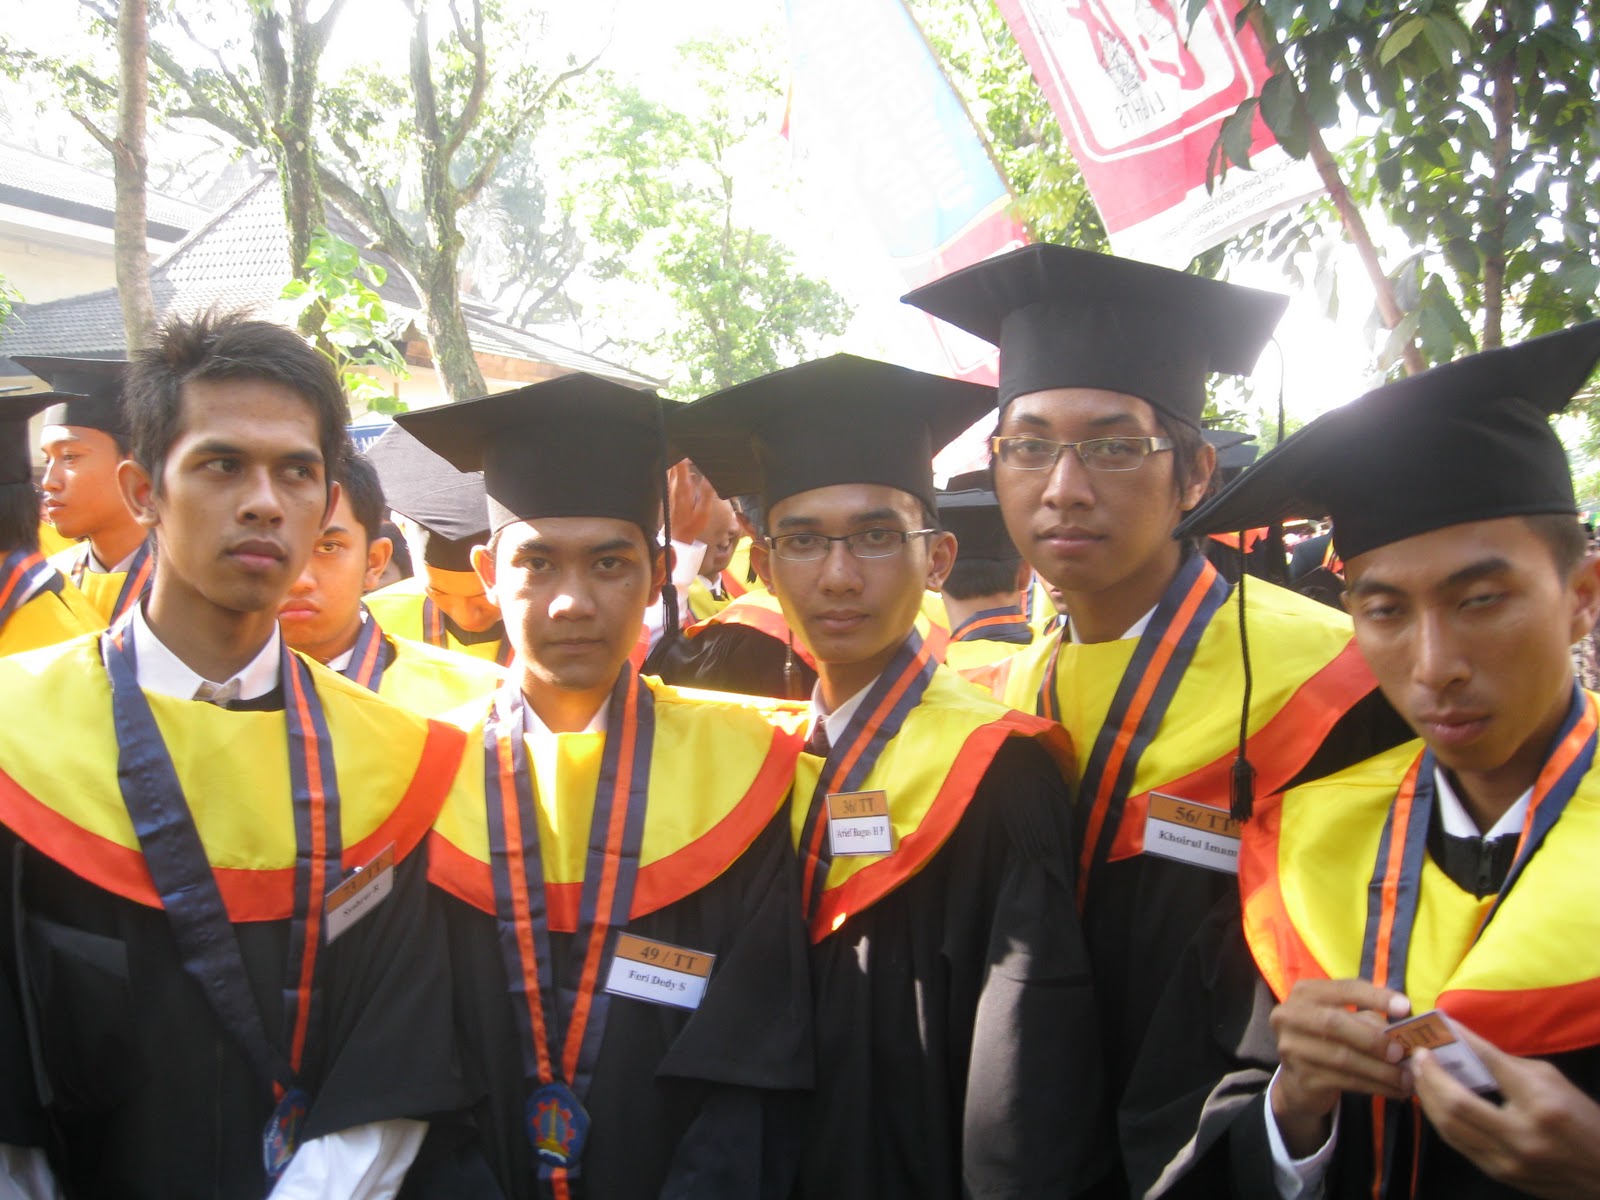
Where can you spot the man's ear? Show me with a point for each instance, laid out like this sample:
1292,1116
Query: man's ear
660,565
1205,464
138,493
761,560
483,564
1585,589
942,548
379,552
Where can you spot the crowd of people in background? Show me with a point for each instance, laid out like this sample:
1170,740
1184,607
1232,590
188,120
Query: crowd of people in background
583,795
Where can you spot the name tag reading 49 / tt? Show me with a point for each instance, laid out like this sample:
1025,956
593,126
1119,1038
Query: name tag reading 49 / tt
659,972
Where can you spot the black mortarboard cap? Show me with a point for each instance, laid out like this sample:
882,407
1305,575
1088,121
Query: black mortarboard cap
447,503
1468,441
1073,318
968,509
16,447
575,446
85,391
835,420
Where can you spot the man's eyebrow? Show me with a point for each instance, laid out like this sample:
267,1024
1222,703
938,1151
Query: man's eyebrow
335,531
1471,573
860,518
611,546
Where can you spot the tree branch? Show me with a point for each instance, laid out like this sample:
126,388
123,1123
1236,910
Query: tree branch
106,143
473,107
473,188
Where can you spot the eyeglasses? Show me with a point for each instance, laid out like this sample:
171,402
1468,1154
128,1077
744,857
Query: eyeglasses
866,543
1098,454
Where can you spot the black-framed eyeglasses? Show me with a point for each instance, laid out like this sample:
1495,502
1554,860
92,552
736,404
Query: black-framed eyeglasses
1098,454
865,543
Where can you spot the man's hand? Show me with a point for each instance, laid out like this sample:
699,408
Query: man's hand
1331,1041
689,497
1545,1138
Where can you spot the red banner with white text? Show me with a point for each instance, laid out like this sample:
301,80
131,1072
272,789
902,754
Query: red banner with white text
1142,97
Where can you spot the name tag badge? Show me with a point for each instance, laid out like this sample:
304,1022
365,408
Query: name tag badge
1435,1031
858,823
1193,833
359,893
659,972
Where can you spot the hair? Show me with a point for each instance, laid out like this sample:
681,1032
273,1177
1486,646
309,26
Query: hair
226,346
971,578
359,479
19,517
1565,537
1187,445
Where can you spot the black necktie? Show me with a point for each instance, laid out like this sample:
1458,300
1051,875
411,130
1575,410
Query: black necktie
818,743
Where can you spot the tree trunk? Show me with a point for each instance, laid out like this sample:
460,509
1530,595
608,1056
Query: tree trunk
129,224
1503,106
436,266
447,328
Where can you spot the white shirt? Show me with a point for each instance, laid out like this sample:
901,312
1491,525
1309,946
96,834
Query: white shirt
837,721
96,567
542,742
164,673
1135,630
340,661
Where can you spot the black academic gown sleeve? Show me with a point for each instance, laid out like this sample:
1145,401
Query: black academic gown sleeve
1204,1064
704,1104
21,1117
733,658
149,1096
957,1036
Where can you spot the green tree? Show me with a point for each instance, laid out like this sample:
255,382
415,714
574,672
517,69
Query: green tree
335,298
1476,138
985,65
106,88
659,188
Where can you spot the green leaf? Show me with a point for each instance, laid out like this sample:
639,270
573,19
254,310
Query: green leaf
1237,131
1390,167
1401,36
1395,344
1278,96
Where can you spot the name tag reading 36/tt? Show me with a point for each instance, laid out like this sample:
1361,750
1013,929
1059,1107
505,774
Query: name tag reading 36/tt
858,823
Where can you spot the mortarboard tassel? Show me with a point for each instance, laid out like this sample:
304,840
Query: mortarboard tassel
1242,779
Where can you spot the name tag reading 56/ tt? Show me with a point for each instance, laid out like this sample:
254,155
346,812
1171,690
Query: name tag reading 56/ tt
858,823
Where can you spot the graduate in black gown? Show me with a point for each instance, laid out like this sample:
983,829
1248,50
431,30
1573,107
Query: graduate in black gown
957,1043
218,965
1452,873
613,862
1098,455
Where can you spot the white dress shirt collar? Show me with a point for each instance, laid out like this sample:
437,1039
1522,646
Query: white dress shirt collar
837,721
164,673
1135,630
1457,821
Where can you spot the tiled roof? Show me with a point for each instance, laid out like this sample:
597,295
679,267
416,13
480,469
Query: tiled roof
240,259
32,180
